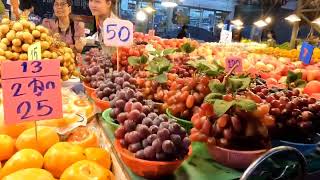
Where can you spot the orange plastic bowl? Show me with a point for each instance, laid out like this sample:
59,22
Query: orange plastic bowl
89,90
233,158
103,105
148,169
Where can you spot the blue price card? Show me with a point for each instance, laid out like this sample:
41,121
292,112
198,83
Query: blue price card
306,53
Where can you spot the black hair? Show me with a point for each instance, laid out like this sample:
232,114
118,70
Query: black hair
69,2
26,4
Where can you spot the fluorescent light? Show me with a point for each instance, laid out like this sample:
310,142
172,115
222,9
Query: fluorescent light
141,16
316,21
237,22
293,18
169,3
260,23
149,9
220,25
268,20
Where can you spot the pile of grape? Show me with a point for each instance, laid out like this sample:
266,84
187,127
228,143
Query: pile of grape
94,72
236,129
114,81
151,136
93,75
186,95
292,111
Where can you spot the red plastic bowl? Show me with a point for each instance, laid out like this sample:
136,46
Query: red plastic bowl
148,169
89,90
233,158
103,105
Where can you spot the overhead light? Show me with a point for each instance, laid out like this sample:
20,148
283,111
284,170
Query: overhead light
237,22
260,23
316,21
268,20
220,25
293,18
238,27
141,16
169,3
149,9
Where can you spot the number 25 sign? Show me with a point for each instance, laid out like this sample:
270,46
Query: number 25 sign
31,90
117,32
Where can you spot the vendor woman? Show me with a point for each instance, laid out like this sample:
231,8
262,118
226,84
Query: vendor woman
71,32
101,10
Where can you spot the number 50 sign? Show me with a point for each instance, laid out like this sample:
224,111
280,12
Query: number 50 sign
117,32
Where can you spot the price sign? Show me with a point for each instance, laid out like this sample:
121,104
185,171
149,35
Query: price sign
34,51
225,36
306,53
117,32
233,61
31,90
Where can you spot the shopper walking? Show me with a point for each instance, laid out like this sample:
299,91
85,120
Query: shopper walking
70,32
101,10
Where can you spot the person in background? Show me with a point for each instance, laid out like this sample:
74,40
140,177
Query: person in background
70,32
101,10
183,33
14,8
27,8
271,38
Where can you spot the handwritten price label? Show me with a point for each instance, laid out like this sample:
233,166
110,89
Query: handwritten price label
117,32
225,36
306,53
34,52
233,61
31,90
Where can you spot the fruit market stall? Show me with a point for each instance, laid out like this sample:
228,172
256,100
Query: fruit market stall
173,108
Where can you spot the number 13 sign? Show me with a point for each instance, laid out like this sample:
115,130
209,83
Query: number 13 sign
117,32
31,90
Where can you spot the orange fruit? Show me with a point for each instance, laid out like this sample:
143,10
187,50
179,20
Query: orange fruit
16,129
87,170
47,137
60,156
84,137
7,147
30,174
26,158
98,155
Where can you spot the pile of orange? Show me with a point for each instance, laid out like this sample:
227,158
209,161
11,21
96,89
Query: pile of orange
46,158
293,54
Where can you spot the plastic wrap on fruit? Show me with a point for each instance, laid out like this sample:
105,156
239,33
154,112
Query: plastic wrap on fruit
65,131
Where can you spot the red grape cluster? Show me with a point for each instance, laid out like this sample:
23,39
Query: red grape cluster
186,95
151,136
296,115
232,130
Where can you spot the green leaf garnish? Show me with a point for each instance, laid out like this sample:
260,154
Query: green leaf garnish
246,104
221,107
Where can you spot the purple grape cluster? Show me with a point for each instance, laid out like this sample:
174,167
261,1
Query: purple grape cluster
93,75
114,82
151,136
96,68
119,100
